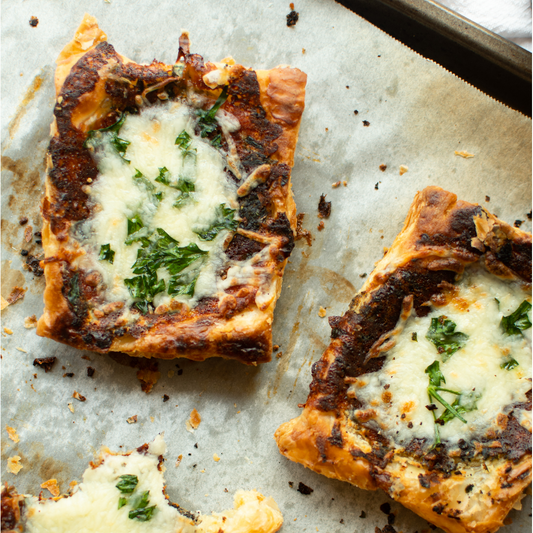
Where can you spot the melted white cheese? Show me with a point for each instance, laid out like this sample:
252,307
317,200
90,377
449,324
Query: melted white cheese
117,196
94,507
475,367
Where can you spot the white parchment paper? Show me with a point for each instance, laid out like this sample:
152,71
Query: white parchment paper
418,115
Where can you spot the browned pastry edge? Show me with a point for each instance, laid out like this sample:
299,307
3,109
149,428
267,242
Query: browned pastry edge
469,492
94,85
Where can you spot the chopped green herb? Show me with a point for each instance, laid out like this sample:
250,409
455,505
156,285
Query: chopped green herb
465,403
179,285
186,187
127,483
142,180
143,515
164,176
139,236
497,302
122,502
443,335
509,364
134,224
206,118
225,220
95,137
184,141
518,321
106,254
436,377
414,336
217,141
74,295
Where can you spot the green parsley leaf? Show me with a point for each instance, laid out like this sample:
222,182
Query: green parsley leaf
443,335
141,180
225,220
106,254
127,483
217,141
464,403
164,176
74,293
509,364
436,377
414,336
143,515
179,285
120,145
186,187
206,118
518,321
184,141
145,286
95,137
139,236
134,224
122,502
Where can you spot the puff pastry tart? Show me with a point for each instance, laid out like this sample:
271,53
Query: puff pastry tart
425,389
168,214
125,492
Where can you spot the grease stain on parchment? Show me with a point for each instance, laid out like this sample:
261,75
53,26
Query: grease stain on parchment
10,278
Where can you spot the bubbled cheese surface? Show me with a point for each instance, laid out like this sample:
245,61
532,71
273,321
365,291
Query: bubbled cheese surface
117,197
400,387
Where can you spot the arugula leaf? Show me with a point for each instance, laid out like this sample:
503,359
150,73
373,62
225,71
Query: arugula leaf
436,377
134,224
443,335
225,220
122,502
164,176
464,403
206,118
509,364
518,321
96,136
106,254
127,483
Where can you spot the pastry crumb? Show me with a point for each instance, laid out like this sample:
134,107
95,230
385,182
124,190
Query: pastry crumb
383,167
321,312
324,208
335,185
12,434
292,18
46,363
279,355
28,234
194,421
132,419
320,226
302,233
178,460
216,458
34,21
30,322
21,349
366,123
4,303
78,396
16,294
70,407
8,331
52,486
464,154
345,183
13,464
148,378
403,169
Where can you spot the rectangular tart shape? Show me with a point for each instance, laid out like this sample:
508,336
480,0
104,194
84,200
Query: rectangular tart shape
168,212
425,389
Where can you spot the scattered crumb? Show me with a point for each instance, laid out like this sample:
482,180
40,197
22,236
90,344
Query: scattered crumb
517,224
194,421
304,489
366,123
34,21
68,375
487,198
23,220
303,50
292,18
20,349
132,419
8,331
166,398
275,347
33,264
345,183
363,275
86,357
362,515
321,312
72,484
324,208
376,186
320,226
90,371
178,460
335,185
279,355
302,233
383,167
28,234
216,458
403,169
52,486
78,396
464,153
4,303
70,407
16,294
30,322
170,373
356,112
148,378
13,464
529,216
12,433
152,419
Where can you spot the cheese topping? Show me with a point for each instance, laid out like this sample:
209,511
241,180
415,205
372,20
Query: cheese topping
398,393
119,195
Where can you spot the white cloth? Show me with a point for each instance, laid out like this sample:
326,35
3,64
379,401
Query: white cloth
509,18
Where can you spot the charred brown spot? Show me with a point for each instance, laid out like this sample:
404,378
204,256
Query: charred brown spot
324,208
242,248
46,363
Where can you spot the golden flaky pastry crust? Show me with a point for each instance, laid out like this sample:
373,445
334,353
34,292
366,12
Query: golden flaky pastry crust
94,85
470,490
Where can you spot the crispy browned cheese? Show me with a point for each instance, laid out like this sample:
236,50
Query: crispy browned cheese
441,236
95,85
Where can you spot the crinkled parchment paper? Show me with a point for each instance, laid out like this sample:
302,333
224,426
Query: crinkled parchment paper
417,115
